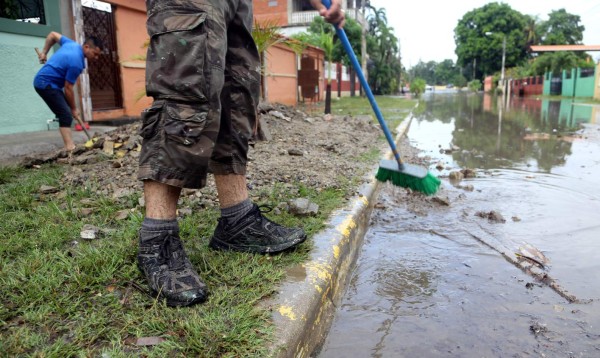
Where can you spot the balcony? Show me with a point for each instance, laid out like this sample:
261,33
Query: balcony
306,17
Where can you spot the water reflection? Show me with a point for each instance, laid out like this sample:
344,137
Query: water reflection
432,280
526,133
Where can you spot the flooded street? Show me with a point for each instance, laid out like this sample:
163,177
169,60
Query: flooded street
501,264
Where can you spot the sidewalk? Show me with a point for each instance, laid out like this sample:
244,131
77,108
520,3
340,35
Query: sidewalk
14,147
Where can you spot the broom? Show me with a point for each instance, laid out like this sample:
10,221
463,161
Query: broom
395,171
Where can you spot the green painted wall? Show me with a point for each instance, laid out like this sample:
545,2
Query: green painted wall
568,82
585,85
547,78
577,86
21,109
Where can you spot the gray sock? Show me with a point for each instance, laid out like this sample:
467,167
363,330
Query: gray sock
150,224
238,211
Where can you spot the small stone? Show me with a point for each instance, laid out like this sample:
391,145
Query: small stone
89,232
46,189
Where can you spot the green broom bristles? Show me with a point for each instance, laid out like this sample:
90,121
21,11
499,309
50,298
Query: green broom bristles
427,185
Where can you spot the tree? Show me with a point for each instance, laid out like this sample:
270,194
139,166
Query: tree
445,72
417,86
562,28
556,62
383,48
353,32
442,73
323,40
532,30
479,36
266,34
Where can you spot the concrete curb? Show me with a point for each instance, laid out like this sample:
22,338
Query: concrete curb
304,309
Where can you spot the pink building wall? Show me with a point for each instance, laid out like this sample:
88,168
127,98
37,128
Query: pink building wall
130,23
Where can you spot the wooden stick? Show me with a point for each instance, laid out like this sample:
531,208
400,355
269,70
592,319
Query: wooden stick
82,126
39,55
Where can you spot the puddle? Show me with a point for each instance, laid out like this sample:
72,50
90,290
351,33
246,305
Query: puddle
436,280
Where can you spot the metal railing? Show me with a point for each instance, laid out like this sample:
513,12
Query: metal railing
306,17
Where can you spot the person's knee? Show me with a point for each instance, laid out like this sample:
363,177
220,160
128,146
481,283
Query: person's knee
65,121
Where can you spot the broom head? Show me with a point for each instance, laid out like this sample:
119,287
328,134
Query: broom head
408,176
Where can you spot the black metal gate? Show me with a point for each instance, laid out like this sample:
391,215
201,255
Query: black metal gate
556,86
105,73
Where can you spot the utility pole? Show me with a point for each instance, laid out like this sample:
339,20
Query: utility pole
363,45
400,86
503,60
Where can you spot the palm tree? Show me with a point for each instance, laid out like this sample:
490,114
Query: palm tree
323,40
531,31
266,34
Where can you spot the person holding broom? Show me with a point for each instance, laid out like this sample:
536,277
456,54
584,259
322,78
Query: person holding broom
55,80
203,72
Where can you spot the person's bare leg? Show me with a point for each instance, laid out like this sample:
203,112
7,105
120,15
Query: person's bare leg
231,189
65,132
161,256
161,200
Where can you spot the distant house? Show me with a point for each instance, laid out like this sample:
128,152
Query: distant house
295,16
303,83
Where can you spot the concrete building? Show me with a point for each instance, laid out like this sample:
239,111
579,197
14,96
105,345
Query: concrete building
112,88
295,16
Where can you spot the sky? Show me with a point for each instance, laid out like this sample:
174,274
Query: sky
425,28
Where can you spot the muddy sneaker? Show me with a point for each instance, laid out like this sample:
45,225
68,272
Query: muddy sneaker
171,276
255,233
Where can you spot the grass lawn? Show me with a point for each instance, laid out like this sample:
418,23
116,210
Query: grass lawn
64,296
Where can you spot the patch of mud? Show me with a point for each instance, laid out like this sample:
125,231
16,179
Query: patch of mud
316,151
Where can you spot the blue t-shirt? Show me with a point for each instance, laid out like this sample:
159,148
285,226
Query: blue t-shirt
65,64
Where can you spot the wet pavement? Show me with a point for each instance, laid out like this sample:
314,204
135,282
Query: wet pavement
435,280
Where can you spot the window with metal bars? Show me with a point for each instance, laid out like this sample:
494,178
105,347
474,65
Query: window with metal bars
302,5
31,11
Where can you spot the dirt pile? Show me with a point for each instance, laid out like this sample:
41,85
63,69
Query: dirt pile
316,151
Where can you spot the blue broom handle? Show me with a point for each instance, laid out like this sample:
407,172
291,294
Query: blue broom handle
365,85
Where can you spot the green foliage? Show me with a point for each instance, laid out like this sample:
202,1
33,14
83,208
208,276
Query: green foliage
483,53
443,73
268,33
384,50
353,32
323,40
417,86
382,46
562,28
459,81
532,30
63,296
474,86
424,70
556,62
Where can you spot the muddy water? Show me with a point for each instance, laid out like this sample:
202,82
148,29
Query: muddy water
437,280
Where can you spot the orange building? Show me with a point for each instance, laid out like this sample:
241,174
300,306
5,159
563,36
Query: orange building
114,87
117,83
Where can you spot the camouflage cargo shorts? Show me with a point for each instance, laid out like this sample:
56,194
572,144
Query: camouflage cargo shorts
202,69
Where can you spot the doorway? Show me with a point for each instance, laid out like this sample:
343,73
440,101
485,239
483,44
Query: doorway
105,73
